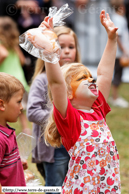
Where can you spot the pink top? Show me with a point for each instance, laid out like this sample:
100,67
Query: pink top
70,127
11,170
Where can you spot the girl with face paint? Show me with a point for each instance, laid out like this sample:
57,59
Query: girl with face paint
52,163
79,120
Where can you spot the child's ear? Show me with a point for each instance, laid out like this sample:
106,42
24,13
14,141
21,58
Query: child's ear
2,106
70,96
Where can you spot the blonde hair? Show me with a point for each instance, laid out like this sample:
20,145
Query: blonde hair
8,86
8,32
51,133
40,66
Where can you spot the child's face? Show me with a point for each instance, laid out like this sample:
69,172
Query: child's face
68,49
14,107
83,87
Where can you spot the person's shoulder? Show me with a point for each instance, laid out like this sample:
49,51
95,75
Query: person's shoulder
73,111
3,143
41,77
3,136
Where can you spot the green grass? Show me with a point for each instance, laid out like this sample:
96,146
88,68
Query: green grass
118,122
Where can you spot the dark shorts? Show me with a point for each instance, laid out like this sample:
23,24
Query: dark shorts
117,73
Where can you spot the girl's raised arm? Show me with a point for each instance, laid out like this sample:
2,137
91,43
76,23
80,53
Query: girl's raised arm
56,81
107,62
57,86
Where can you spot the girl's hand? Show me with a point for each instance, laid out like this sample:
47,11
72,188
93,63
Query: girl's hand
48,23
109,25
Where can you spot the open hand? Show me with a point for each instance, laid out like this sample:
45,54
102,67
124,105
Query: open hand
109,25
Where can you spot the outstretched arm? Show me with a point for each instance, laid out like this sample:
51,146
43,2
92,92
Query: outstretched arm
56,80
107,62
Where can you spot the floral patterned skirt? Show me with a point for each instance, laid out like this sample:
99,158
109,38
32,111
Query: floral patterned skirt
94,170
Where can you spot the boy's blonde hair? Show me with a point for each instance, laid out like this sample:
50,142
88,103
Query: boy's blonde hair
8,86
9,34
40,66
51,133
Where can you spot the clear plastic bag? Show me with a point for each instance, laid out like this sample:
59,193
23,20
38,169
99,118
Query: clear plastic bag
26,144
42,42
31,179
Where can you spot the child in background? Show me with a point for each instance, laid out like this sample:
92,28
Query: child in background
80,108
11,166
119,19
9,39
53,160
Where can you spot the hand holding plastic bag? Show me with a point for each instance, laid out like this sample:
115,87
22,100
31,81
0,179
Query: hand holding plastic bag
31,179
42,42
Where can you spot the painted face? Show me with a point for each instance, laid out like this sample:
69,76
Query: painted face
14,107
68,49
85,94
84,88
77,79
